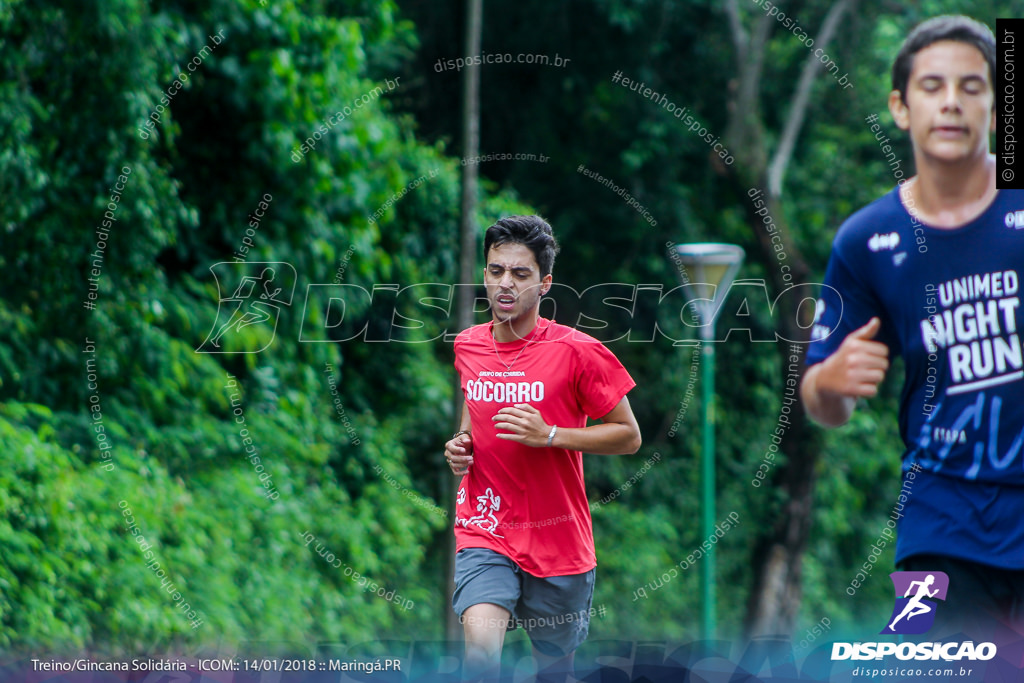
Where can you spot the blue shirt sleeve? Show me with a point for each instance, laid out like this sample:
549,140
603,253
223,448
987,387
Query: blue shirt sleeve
850,297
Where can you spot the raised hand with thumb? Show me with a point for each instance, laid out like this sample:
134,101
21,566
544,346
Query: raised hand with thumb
859,364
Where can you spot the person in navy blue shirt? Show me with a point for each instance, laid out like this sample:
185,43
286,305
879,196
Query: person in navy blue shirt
932,272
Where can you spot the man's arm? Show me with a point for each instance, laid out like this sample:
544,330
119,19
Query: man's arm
618,433
831,388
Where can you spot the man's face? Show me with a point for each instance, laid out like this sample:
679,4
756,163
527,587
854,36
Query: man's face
949,100
513,281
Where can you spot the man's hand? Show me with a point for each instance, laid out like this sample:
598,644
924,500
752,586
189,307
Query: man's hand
858,366
854,371
459,453
525,423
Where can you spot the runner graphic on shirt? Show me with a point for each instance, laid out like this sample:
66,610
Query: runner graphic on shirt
486,505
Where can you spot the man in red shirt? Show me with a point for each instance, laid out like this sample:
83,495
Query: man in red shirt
524,541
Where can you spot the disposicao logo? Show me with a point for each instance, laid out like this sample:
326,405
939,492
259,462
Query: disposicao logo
916,592
914,613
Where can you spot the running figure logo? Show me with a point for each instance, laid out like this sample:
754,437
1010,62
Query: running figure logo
261,290
486,505
914,613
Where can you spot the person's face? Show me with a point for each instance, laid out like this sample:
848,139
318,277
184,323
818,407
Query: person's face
513,281
949,100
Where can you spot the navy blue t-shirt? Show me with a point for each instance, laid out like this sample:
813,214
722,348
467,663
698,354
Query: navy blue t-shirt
949,302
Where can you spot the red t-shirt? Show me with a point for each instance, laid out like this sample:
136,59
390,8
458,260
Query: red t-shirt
530,504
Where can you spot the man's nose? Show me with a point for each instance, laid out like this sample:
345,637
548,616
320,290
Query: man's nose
951,97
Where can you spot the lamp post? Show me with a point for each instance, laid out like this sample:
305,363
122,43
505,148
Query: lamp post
714,266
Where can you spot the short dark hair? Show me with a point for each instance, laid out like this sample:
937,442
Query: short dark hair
947,27
531,231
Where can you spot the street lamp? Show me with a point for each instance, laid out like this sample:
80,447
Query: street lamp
713,266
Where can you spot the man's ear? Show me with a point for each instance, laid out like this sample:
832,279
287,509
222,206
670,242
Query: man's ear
899,111
545,284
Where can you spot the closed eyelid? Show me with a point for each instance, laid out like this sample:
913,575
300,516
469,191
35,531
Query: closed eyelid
973,82
929,82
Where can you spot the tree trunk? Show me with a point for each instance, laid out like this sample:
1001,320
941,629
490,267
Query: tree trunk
467,262
774,599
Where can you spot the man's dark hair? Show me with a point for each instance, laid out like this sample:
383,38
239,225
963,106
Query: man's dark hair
531,231
948,27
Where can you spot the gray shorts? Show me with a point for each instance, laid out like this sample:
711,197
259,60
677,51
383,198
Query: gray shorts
554,611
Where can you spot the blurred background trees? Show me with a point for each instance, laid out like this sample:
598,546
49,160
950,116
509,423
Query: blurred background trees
77,82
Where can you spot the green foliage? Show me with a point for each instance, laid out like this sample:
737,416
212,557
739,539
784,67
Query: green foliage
112,408
134,418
